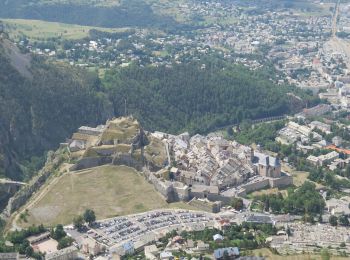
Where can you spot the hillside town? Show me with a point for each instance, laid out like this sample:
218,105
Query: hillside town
206,172
280,183
180,167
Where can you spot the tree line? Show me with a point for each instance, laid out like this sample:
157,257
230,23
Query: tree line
196,96
129,13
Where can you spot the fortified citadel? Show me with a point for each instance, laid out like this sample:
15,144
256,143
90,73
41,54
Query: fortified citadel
207,171
180,167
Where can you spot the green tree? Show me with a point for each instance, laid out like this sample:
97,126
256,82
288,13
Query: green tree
288,231
320,219
78,222
237,203
64,242
29,251
343,220
89,216
333,220
229,131
58,232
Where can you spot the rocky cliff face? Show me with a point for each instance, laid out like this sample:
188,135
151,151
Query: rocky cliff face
7,190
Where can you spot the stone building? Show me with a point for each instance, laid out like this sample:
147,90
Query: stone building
267,166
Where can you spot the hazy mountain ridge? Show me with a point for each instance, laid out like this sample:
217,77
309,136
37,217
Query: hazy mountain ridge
93,13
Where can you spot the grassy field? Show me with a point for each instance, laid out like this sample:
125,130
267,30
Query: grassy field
299,177
270,256
108,190
41,30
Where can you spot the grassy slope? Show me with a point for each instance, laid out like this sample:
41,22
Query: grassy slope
42,30
108,190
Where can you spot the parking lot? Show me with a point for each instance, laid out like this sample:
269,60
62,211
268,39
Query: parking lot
118,230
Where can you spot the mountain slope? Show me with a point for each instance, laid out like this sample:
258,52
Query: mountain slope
93,13
198,96
40,106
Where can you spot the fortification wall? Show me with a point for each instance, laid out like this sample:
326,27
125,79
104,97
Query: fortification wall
90,162
183,193
127,160
206,206
285,180
165,189
250,187
22,196
210,196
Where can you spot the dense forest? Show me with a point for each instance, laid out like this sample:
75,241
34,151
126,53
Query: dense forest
40,106
196,97
128,13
